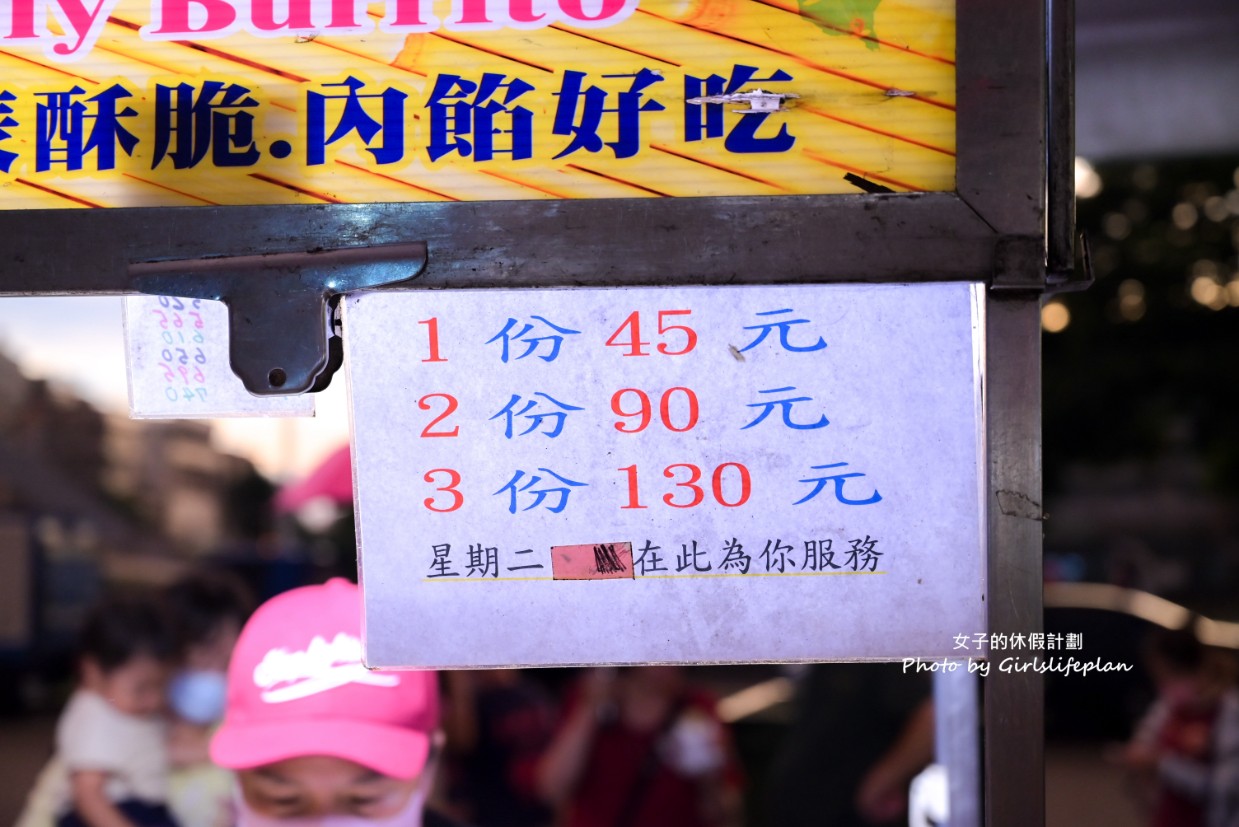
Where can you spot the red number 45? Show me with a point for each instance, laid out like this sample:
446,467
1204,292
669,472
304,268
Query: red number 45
636,347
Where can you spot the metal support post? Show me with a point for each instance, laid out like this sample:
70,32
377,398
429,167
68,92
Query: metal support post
1014,731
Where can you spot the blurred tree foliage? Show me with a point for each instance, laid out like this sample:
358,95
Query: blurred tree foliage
1150,356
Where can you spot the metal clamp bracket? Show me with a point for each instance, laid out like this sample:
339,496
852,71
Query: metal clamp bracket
1079,277
281,305
1019,264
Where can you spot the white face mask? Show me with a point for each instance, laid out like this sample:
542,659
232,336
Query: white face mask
694,746
409,816
199,696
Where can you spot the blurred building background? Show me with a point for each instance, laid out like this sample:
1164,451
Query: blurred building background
88,498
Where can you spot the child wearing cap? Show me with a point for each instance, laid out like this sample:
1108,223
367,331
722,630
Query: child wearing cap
206,610
111,764
314,736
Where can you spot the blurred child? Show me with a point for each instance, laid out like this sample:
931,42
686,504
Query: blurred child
1188,741
110,768
206,611
642,747
498,723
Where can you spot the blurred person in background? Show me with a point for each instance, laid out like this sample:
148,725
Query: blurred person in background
860,733
206,610
642,746
110,767
1187,743
498,723
315,737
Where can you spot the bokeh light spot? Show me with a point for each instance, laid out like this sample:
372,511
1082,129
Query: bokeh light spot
1055,317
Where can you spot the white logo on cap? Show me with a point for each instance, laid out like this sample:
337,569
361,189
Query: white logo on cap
320,667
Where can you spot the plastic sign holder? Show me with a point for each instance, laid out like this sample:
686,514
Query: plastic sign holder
668,474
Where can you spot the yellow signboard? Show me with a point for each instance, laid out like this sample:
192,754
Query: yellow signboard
157,103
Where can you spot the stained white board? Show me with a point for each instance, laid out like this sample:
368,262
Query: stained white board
649,475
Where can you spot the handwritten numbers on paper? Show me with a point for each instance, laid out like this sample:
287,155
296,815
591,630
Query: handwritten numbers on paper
183,361
177,351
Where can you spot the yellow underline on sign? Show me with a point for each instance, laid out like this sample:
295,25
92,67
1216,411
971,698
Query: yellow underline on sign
483,579
756,574
646,577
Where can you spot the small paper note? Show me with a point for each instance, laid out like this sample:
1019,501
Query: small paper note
595,561
176,353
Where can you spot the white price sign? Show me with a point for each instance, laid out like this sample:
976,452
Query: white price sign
690,475
176,352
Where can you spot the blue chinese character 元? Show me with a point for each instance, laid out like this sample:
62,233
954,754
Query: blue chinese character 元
786,405
515,488
784,327
188,123
821,482
354,117
7,121
592,105
706,120
454,117
556,339
69,129
536,417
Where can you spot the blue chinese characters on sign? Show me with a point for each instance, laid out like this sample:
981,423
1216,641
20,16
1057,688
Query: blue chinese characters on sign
70,127
514,331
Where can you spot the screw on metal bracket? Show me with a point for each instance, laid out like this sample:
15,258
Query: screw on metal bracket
757,100
281,306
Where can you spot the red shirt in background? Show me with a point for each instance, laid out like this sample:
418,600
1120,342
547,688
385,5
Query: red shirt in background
670,798
1186,734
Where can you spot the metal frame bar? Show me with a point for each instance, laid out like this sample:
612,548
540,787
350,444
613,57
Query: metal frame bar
1060,190
993,226
1014,715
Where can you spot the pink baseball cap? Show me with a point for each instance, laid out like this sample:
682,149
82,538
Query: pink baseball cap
297,687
